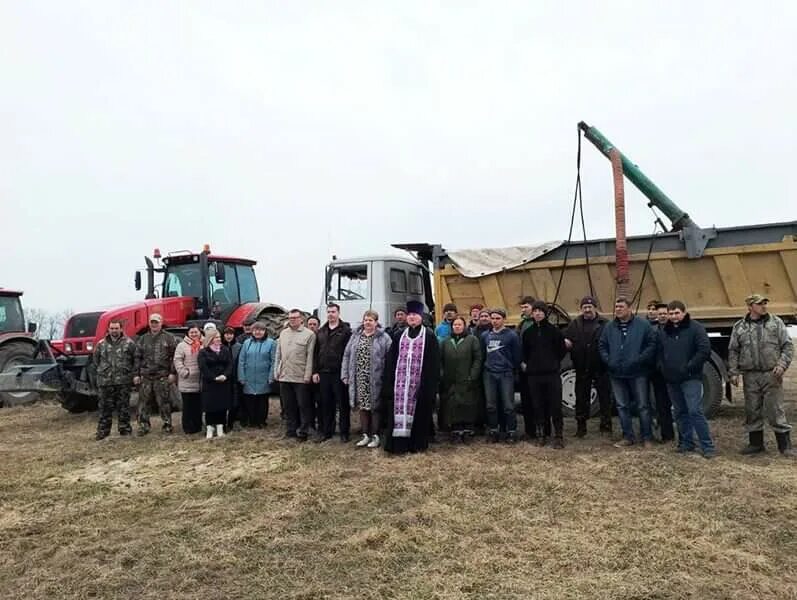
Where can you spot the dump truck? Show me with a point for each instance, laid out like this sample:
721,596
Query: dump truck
196,287
711,269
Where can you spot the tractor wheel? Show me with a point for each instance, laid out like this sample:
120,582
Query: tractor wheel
712,390
16,353
275,321
78,403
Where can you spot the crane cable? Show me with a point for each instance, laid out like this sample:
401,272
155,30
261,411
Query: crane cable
577,202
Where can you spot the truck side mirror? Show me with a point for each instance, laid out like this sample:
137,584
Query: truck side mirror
137,280
32,327
218,272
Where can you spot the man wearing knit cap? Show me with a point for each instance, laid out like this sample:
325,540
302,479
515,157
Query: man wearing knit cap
760,350
581,338
443,330
526,402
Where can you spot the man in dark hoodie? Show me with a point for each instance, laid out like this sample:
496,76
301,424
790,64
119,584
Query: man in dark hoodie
526,402
663,408
581,338
543,351
684,348
627,347
331,341
501,351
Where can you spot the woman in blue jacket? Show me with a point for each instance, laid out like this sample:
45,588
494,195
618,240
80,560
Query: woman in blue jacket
255,366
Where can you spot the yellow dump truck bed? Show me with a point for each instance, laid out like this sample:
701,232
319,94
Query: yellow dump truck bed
736,262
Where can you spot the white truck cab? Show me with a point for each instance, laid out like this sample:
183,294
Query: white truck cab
379,283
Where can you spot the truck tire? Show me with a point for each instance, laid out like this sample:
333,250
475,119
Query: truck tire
16,353
712,390
78,403
569,395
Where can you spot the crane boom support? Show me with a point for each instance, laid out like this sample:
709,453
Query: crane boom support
659,199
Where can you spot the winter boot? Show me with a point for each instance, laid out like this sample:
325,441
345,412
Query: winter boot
511,437
374,443
756,445
209,434
581,428
493,436
557,443
219,430
364,441
784,445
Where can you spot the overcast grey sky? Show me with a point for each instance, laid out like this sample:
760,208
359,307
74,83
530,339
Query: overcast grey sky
288,131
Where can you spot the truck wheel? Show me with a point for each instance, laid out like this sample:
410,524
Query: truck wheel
712,391
16,353
78,403
569,395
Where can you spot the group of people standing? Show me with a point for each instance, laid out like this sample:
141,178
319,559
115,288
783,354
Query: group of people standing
393,376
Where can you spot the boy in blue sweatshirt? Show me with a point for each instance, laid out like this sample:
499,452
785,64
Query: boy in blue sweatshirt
501,349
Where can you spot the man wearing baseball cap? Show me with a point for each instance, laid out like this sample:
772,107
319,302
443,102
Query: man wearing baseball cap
760,350
581,338
155,373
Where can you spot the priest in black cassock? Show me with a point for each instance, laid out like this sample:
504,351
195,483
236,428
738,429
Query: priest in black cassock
412,375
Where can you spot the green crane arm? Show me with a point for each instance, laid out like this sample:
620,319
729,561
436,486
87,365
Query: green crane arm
659,199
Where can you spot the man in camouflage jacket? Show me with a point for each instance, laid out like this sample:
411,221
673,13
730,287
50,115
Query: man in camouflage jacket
761,350
155,374
114,358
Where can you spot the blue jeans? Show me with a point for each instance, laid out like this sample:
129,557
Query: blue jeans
629,394
687,402
499,391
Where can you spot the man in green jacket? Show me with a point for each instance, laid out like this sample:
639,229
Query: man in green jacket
114,358
761,350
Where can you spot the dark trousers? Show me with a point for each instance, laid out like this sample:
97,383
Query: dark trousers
215,417
316,409
663,407
237,411
527,406
192,412
296,403
584,383
255,407
334,397
546,394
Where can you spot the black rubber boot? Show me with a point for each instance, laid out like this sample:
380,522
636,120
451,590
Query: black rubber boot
756,445
784,445
581,428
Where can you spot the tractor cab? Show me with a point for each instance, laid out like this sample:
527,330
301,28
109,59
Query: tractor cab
12,319
218,284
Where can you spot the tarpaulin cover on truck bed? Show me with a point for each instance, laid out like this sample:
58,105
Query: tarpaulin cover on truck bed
486,261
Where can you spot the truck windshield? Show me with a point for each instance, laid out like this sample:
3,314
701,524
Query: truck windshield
11,318
348,282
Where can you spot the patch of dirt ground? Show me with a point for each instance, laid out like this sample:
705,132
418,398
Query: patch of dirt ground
255,516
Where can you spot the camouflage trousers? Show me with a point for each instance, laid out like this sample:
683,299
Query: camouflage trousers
157,390
114,398
763,399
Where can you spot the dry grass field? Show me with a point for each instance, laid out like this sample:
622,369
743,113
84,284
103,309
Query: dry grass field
253,516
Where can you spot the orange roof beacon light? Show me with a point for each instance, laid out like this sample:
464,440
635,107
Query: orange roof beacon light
206,248
156,253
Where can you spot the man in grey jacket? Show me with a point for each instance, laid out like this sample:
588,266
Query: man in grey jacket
293,368
761,350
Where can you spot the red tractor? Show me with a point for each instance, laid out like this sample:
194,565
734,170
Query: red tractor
196,288
17,344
